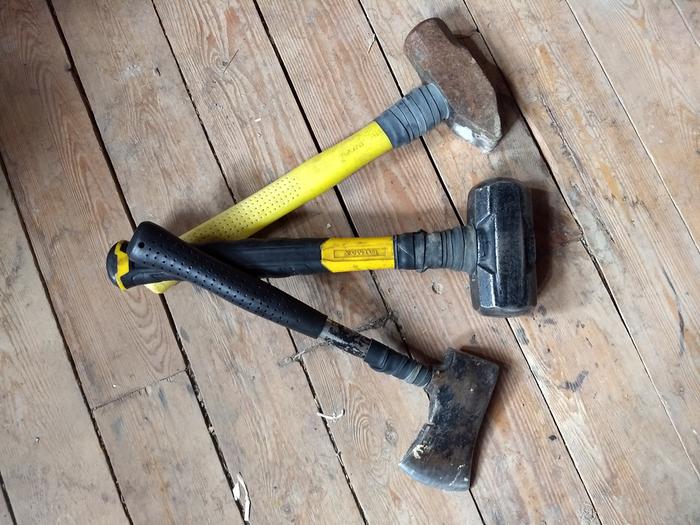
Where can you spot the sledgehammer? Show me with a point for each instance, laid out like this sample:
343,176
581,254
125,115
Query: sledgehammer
454,90
459,389
496,248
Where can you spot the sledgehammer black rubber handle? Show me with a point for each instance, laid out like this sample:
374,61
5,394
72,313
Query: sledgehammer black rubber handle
453,249
154,246
157,248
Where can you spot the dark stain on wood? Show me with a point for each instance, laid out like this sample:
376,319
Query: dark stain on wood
575,385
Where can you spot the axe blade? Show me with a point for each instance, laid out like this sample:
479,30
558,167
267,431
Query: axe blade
459,394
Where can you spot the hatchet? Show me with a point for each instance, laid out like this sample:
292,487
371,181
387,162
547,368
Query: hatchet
459,389
455,91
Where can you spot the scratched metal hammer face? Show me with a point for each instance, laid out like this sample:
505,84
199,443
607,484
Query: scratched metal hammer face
454,89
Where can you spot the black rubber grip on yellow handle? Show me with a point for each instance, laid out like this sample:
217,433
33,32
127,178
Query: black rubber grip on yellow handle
453,249
157,248
266,258
449,249
415,114
154,246
259,257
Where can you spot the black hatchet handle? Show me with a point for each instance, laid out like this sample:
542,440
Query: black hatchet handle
159,249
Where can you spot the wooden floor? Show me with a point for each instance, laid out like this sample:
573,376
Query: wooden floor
125,407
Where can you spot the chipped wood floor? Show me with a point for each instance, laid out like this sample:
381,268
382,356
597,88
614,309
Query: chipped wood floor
124,407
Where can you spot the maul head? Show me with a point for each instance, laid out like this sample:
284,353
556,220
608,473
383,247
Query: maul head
440,60
496,248
503,280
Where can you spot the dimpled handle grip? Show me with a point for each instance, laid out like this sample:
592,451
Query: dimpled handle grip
302,184
154,246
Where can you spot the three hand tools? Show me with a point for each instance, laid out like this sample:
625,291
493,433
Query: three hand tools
495,247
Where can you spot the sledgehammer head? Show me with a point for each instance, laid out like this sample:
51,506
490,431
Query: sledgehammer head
442,61
503,282
459,394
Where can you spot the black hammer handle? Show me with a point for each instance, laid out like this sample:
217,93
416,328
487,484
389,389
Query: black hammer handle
452,249
157,248
259,257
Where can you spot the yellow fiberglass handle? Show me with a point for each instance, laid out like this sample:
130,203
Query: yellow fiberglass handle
302,184
357,254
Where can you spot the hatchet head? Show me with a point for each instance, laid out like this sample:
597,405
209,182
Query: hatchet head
459,394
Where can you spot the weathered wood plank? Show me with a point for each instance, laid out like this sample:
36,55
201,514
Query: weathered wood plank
264,416
690,11
371,411
342,82
52,465
171,477
630,223
562,340
5,513
653,64
72,211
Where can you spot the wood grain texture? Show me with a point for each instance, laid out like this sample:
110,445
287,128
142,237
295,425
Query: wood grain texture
342,83
5,513
73,214
51,462
653,64
630,223
576,330
243,99
72,211
264,415
690,11
173,476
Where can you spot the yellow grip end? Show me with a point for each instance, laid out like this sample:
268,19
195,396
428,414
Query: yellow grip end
122,264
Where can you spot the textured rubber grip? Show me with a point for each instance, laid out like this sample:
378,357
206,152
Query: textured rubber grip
381,358
154,246
270,258
415,114
451,249
259,257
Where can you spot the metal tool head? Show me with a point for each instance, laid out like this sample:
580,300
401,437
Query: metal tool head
439,59
503,281
459,394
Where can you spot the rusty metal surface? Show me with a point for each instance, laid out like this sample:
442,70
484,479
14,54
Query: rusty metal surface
440,59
